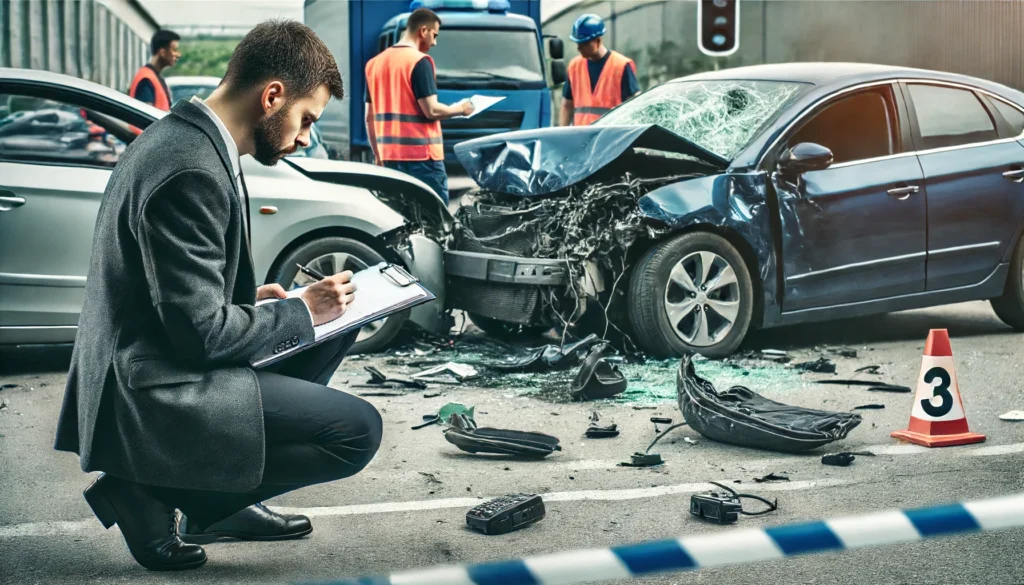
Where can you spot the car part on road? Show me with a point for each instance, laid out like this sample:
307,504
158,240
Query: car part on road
771,477
873,386
1013,415
725,508
843,459
822,365
332,255
742,417
459,372
1010,306
597,379
597,432
549,357
661,420
643,460
869,407
505,514
462,432
378,378
691,294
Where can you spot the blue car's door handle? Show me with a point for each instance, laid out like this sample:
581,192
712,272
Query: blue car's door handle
9,200
1017,175
903,192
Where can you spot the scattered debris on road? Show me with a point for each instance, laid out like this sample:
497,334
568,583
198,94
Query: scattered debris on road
822,365
725,508
742,417
597,378
868,370
690,441
448,373
549,357
873,385
1013,415
598,432
433,394
431,478
380,379
9,386
869,407
643,460
506,514
463,432
843,459
771,477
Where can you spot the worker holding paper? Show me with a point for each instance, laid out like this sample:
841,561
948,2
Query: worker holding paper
403,115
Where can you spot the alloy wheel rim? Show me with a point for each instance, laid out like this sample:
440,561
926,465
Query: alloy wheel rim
702,299
334,263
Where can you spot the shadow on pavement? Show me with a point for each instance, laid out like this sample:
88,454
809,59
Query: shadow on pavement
906,326
35,359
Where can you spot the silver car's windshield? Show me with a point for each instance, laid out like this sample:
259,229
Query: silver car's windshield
721,116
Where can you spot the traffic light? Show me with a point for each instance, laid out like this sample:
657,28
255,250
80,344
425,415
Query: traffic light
718,27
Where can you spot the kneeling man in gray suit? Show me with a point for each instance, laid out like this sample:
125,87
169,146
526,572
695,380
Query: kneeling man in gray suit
160,395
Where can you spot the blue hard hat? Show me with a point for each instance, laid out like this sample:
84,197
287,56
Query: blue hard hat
587,28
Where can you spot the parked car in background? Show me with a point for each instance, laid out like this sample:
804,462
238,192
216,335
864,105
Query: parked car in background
184,87
63,135
777,194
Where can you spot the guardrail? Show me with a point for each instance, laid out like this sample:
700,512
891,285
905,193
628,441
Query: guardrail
731,548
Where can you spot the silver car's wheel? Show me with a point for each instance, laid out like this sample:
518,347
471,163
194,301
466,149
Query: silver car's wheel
702,298
330,255
334,263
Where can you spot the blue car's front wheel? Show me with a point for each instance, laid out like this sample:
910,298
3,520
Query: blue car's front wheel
1010,306
691,294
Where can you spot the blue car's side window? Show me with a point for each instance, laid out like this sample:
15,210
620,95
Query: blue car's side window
856,127
948,116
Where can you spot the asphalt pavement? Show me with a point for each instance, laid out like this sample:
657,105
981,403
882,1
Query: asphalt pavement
407,509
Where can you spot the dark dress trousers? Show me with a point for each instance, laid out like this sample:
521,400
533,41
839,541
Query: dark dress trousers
160,390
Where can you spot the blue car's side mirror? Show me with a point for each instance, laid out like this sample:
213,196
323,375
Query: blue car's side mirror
805,157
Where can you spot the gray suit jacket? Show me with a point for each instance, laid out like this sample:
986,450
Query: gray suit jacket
160,390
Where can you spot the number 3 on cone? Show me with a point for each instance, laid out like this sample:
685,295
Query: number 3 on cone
941,390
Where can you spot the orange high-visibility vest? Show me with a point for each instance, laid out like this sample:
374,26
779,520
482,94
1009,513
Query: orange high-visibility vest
162,101
403,132
589,105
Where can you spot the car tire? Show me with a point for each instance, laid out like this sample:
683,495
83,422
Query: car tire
1010,307
336,254
657,290
504,330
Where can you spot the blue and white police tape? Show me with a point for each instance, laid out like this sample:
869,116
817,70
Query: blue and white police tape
730,548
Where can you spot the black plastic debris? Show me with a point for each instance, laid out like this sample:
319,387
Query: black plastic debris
380,379
598,432
775,355
464,434
8,386
643,460
661,420
742,417
550,357
771,477
869,370
725,508
844,352
869,407
873,385
597,378
890,388
822,365
843,459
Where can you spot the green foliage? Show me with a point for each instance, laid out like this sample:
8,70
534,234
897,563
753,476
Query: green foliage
204,56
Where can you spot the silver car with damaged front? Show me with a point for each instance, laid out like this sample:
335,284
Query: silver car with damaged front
60,138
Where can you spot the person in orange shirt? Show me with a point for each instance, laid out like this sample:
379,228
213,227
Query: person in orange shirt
599,78
403,115
149,86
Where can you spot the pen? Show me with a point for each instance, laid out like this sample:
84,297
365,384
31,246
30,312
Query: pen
310,272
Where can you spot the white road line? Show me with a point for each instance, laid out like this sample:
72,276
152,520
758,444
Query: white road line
93,526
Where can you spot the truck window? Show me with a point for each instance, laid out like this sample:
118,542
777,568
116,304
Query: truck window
487,54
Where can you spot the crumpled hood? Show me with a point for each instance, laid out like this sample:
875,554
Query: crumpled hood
539,162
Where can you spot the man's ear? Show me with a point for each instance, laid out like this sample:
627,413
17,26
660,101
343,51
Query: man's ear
273,96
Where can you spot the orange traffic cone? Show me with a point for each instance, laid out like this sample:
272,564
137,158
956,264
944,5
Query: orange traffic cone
938,418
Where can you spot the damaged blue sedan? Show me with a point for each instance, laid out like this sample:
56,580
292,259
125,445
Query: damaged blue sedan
748,198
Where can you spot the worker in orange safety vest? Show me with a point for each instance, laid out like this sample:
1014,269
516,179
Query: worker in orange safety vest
599,78
403,115
149,86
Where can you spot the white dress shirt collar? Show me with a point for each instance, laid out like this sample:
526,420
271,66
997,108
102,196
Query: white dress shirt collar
236,165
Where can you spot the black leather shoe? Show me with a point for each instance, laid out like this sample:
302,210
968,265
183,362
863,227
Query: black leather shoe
147,525
253,523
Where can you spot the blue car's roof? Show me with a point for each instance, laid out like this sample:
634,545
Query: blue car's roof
826,78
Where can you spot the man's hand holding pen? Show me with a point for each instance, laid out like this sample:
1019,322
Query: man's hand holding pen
329,297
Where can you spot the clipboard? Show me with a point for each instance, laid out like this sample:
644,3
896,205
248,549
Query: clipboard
381,291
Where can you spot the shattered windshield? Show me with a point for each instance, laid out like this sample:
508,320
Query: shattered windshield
720,116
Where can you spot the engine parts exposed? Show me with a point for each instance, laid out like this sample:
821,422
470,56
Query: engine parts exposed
742,417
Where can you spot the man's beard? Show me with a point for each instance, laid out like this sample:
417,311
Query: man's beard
268,135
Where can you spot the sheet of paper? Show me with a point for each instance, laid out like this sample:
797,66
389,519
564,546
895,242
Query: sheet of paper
375,293
481,103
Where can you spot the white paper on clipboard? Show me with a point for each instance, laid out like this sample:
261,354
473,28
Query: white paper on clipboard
481,103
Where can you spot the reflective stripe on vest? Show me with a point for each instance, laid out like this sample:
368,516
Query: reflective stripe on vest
403,132
162,101
589,105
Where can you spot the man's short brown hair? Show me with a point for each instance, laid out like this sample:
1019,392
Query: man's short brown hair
284,50
422,17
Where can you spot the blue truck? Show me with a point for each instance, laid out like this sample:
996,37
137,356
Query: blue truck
486,47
